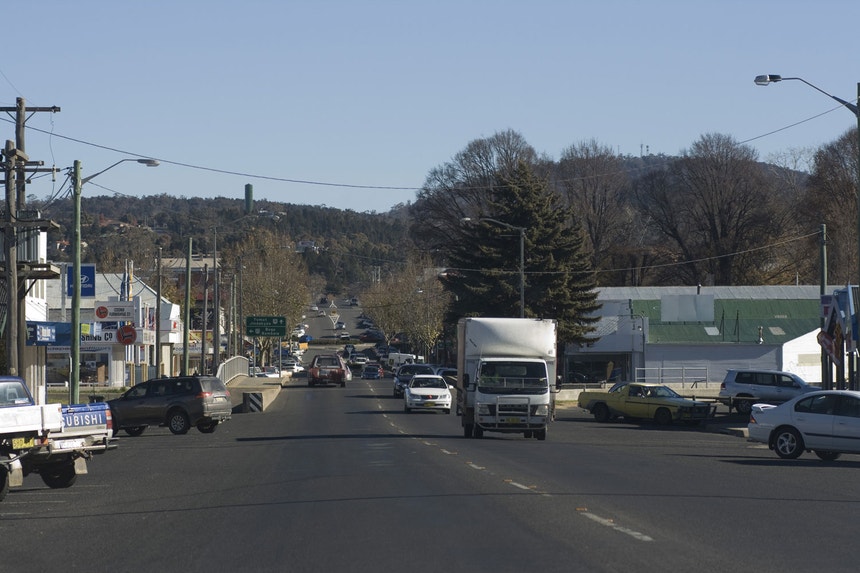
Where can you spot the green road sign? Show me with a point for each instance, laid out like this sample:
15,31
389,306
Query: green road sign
265,326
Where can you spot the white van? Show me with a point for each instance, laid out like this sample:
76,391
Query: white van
396,359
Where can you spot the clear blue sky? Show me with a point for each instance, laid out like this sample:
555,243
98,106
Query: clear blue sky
377,93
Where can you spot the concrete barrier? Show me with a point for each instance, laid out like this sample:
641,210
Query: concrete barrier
258,400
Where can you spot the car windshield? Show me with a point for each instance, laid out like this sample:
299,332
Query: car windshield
428,383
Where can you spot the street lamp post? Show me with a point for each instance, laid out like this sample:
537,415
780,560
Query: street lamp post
522,231
764,80
75,343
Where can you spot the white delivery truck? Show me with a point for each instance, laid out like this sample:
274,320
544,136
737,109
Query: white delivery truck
506,375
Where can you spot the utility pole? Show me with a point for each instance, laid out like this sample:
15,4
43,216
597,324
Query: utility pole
16,166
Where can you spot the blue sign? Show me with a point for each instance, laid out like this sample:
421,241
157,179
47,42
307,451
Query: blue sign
88,280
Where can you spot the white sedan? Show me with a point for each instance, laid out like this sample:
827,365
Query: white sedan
427,392
826,422
292,366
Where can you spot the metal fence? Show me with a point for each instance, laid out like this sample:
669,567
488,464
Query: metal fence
233,367
684,375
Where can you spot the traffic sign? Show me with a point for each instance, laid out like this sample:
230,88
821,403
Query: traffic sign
265,326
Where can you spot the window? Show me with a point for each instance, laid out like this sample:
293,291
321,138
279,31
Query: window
848,406
784,381
823,404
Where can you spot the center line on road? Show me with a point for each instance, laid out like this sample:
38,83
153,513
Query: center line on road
616,527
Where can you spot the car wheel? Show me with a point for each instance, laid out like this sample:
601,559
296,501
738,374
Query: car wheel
479,431
207,427
528,434
663,416
447,410
177,421
827,456
540,434
601,412
134,430
787,443
57,476
407,409
744,406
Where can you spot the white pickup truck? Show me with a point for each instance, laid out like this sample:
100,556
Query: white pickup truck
49,439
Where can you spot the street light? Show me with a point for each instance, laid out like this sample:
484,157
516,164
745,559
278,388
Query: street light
75,348
773,78
522,231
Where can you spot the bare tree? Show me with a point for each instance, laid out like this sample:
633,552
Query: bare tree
274,279
715,207
596,187
831,198
460,187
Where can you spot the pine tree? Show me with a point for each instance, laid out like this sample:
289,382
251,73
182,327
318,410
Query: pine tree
484,273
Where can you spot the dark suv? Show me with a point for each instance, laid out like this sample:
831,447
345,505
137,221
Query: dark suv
405,373
178,403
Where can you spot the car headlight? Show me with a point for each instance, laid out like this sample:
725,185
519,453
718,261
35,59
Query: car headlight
541,410
483,409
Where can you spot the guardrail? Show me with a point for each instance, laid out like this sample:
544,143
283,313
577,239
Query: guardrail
233,367
683,375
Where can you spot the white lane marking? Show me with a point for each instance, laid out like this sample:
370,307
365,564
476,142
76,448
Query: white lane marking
609,523
444,451
474,466
519,485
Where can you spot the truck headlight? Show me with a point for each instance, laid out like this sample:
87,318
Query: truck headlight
483,409
541,410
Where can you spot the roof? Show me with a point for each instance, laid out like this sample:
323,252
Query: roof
766,314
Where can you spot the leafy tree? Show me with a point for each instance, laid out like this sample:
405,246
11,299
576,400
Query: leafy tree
484,276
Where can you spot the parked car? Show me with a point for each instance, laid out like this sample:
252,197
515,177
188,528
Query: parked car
271,372
405,373
826,422
305,338
427,392
742,388
179,403
371,372
339,325
644,401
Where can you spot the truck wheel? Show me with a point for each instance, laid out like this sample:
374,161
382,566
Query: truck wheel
177,421
343,383
4,482
467,430
540,434
479,432
600,412
59,475
528,434
134,430
207,427
663,417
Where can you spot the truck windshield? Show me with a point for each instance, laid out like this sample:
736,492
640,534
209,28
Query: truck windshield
513,378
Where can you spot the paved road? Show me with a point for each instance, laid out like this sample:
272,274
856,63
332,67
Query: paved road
342,479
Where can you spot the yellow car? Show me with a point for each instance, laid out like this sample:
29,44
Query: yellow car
635,400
